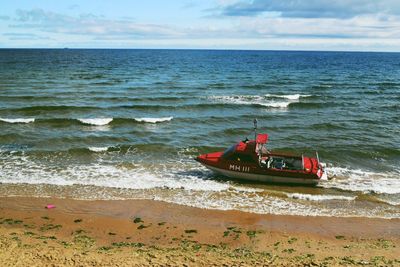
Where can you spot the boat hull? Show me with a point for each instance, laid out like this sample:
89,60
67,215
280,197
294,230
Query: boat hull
265,178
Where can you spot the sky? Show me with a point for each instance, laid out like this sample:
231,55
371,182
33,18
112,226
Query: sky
330,25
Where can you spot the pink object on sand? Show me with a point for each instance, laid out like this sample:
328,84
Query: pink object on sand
50,206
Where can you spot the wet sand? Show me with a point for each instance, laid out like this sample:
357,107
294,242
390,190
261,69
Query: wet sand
153,233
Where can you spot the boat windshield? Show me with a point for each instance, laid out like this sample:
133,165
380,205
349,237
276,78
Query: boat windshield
229,151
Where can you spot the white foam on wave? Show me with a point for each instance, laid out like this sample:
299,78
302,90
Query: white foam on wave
23,170
18,120
96,121
311,197
250,100
263,203
290,97
98,149
364,181
394,202
153,120
265,100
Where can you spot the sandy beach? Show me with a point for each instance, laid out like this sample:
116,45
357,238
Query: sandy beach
153,233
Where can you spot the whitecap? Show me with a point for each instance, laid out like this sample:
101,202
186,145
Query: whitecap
276,104
265,101
290,97
153,120
18,120
96,121
98,149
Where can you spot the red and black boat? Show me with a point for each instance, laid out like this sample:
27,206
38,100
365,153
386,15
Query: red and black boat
251,160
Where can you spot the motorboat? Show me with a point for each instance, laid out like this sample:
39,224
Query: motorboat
251,160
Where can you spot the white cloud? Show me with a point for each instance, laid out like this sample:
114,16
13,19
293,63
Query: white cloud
88,24
312,8
362,32
357,27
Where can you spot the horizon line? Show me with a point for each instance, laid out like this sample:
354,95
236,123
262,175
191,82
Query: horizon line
198,49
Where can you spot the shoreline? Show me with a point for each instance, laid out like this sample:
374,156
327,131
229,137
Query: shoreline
111,231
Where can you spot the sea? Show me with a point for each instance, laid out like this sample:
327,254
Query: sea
126,124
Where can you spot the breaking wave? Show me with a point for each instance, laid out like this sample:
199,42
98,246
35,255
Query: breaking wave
132,175
88,121
18,120
363,181
96,121
290,97
98,149
153,120
268,100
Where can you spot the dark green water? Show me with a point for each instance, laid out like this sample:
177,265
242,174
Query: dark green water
108,124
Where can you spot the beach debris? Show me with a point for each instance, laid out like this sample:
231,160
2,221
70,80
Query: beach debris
137,220
142,226
50,206
191,231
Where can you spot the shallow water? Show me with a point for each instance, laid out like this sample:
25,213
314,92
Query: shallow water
116,124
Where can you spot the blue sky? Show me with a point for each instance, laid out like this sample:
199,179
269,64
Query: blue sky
355,25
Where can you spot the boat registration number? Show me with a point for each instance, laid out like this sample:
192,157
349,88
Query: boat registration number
238,168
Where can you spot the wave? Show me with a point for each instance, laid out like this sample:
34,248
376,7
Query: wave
153,120
388,84
308,105
98,149
393,202
88,121
96,121
290,97
53,108
18,120
268,100
311,197
219,102
104,144
140,99
132,175
250,100
363,181
328,126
